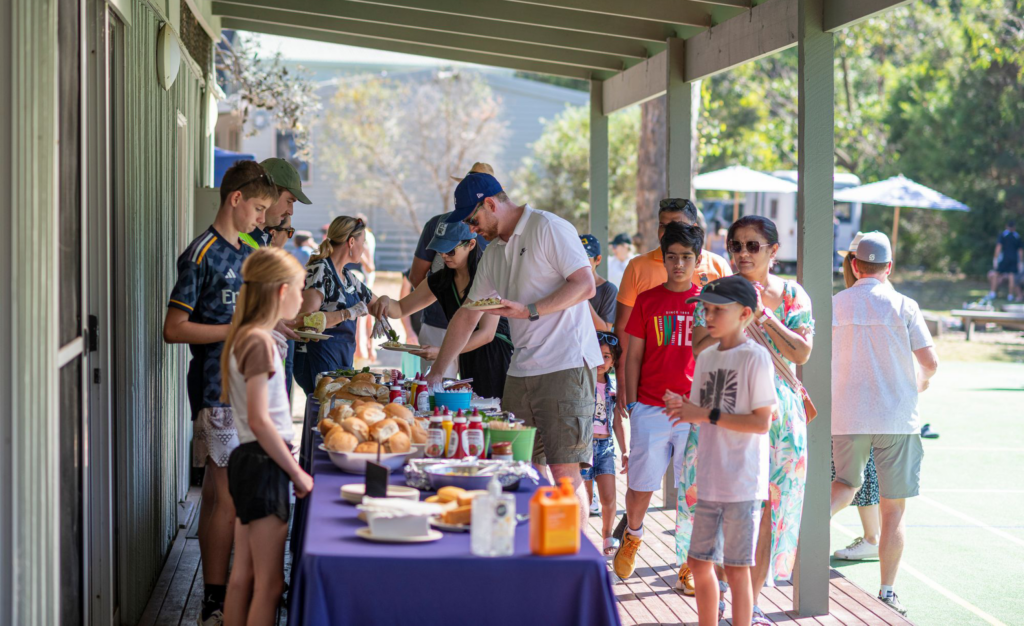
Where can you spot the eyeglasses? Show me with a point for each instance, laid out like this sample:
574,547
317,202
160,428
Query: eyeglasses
471,220
451,252
283,229
753,247
607,338
264,176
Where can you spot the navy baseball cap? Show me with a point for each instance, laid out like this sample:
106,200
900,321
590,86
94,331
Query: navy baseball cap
620,239
727,290
591,245
471,191
447,236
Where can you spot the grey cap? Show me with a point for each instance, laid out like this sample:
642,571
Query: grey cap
874,248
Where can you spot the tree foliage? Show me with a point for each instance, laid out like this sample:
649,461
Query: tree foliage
399,141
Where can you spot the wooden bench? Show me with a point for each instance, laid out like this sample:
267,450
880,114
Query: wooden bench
1007,320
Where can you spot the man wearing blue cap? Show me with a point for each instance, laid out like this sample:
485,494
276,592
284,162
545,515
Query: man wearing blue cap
602,305
877,334
537,267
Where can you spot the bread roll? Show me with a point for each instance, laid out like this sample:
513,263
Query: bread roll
403,427
399,442
397,410
340,441
418,434
368,447
450,494
361,388
326,425
319,392
370,413
356,427
383,430
364,377
341,412
341,380
383,395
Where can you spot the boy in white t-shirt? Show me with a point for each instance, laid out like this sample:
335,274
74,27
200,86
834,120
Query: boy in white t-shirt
733,396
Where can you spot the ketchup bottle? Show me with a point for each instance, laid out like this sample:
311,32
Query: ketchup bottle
473,440
456,447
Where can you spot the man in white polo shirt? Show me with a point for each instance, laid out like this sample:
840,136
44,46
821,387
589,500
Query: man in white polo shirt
538,268
877,334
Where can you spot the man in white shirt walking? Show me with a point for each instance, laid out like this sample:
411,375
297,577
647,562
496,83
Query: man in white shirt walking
537,267
877,334
622,254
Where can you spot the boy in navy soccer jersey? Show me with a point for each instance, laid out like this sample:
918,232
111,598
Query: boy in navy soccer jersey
199,314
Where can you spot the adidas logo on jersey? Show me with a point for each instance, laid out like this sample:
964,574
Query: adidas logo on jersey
231,274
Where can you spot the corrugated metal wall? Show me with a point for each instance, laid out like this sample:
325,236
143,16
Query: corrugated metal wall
28,336
151,411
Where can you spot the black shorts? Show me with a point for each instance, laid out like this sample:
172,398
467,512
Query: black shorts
257,484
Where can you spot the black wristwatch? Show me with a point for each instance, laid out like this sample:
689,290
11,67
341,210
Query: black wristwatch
532,309
714,415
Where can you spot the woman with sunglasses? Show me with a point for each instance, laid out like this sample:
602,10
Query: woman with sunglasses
335,290
488,353
784,317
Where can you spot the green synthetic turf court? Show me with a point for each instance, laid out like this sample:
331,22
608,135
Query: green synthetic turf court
964,558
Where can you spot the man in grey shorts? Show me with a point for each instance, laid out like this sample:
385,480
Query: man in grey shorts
536,266
877,334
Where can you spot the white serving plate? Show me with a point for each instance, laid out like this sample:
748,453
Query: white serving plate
354,493
405,347
364,533
485,307
355,462
308,335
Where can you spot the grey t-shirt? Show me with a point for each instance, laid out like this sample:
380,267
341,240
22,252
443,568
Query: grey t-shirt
604,301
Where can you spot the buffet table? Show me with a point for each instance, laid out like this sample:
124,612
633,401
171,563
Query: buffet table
338,578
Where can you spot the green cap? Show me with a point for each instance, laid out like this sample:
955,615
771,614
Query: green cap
285,175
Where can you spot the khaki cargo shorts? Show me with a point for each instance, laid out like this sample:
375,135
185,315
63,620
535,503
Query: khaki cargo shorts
560,405
897,461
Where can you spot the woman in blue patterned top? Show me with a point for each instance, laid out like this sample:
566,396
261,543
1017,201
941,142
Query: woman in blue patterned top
340,295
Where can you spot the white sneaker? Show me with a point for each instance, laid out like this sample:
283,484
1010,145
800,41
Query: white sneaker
859,550
595,506
216,619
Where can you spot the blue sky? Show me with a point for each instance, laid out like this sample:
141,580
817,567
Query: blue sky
306,50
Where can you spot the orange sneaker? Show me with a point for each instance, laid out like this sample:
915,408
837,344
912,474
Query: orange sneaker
625,556
685,581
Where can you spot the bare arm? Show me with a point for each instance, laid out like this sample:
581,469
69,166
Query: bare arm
622,313
681,410
418,271
795,345
460,328
579,286
419,299
634,359
482,335
268,437
928,359
599,323
177,329
702,340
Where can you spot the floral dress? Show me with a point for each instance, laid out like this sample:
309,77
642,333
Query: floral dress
787,459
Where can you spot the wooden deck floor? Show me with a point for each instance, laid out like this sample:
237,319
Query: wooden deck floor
646,598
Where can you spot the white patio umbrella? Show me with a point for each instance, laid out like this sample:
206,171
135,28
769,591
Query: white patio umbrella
900,192
739,179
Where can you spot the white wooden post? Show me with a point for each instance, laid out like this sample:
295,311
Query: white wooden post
599,173
678,132
814,271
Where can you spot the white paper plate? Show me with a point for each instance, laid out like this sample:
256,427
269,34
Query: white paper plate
306,335
364,533
486,307
405,347
452,528
354,493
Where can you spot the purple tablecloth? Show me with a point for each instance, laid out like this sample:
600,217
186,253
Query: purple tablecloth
339,578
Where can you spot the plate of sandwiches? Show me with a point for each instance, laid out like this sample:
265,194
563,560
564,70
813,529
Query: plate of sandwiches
313,326
487,304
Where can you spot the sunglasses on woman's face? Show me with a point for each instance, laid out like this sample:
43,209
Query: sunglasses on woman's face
283,229
753,247
451,252
607,339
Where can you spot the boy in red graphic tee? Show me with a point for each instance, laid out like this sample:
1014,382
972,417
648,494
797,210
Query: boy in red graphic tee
659,358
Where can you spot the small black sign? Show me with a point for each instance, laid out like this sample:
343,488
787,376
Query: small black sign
376,480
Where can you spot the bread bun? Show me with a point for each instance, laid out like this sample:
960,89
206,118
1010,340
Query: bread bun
467,497
368,447
383,395
340,413
403,427
366,377
326,425
370,413
418,434
398,442
340,441
361,388
319,392
397,410
341,380
356,427
383,430
450,494
329,390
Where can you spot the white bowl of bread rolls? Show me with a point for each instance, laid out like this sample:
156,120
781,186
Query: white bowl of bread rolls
354,434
